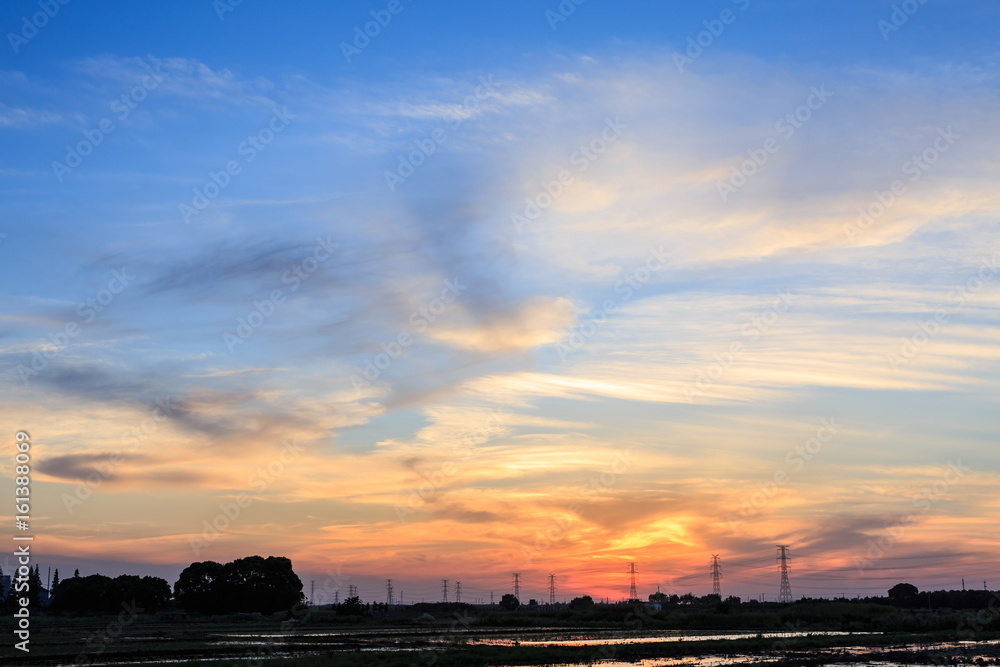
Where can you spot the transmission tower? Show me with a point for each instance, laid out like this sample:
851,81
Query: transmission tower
312,593
352,591
517,585
785,592
716,576
336,597
552,589
632,594
388,592
458,591
444,590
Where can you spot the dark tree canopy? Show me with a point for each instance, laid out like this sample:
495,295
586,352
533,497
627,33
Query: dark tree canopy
351,607
509,603
149,594
200,588
264,585
901,592
584,602
97,593
251,584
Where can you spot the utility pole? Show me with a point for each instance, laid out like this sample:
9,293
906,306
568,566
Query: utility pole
552,588
444,590
517,586
716,576
785,592
632,595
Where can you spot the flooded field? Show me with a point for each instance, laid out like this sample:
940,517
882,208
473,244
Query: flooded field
218,644
801,636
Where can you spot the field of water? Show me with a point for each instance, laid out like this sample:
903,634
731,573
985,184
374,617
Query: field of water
254,645
447,642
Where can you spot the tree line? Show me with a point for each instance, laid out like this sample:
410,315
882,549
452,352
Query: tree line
252,584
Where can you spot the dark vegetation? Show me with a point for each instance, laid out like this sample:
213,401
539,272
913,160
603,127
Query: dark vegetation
246,585
258,597
97,593
253,584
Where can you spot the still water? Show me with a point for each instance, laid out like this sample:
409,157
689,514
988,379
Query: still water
424,643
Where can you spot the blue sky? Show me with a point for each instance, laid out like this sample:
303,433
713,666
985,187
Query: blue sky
507,252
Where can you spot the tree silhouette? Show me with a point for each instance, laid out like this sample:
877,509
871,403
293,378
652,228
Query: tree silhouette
83,594
251,584
97,593
34,589
903,594
147,593
509,603
200,588
351,607
264,585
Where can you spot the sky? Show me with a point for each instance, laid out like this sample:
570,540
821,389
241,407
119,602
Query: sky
448,290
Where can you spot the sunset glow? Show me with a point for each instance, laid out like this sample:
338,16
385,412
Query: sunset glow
498,294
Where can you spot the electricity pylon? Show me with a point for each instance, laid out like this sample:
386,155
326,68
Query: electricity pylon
716,576
785,592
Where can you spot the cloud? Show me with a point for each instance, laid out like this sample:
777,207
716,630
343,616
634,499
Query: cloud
21,118
117,469
185,79
540,321
482,385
